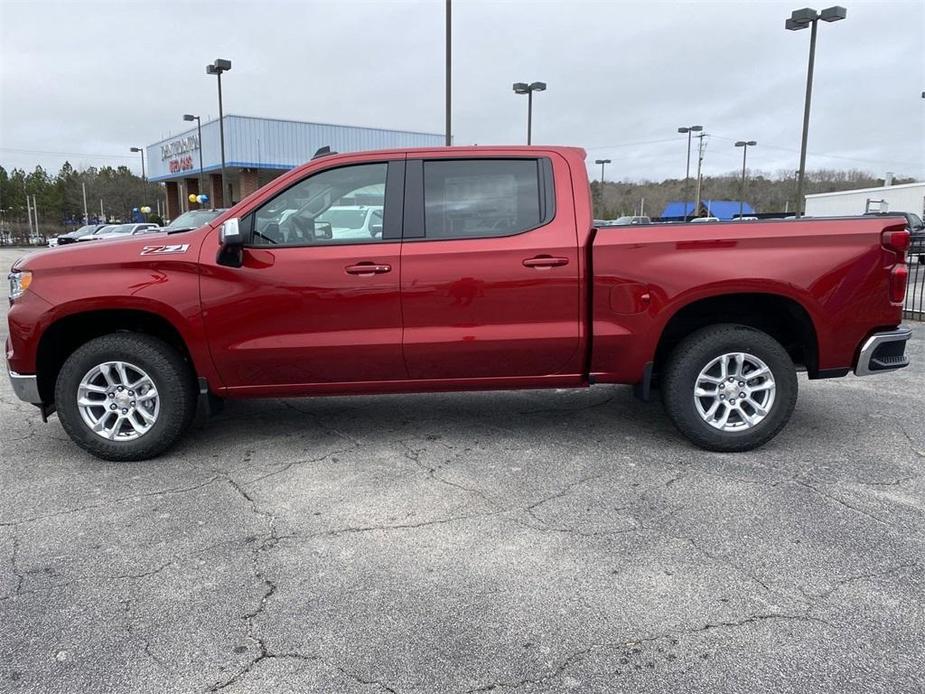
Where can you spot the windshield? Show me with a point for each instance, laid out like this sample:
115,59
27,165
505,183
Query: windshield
193,219
84,230
915,224
344,219
118,229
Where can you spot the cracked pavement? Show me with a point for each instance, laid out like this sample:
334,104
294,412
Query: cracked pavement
537,541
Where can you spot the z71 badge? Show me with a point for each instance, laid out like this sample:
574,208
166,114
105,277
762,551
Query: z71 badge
164,250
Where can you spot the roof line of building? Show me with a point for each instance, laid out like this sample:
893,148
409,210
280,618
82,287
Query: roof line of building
192,130
865,190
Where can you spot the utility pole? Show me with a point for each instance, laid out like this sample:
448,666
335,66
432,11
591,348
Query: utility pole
449,75
701,146
83,187
29,213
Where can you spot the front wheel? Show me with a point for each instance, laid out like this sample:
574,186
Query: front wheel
729,387
125,396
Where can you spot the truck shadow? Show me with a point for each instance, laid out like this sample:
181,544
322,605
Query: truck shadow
607,411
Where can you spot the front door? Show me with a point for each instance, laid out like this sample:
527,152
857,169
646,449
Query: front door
490,271
317,299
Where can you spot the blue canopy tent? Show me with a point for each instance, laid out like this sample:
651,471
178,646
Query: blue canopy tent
721,209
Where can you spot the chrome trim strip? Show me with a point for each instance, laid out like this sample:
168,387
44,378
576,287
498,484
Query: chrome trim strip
870,346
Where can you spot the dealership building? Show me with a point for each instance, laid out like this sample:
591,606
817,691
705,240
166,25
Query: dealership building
257,150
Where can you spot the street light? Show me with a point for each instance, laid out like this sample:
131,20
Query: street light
190,117
744,145
602,162
528,89
687,172
217,68
144,179
800,19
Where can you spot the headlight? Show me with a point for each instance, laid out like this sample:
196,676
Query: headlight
19,283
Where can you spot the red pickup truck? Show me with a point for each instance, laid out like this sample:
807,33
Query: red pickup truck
468,268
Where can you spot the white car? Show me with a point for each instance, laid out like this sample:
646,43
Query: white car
353,222
119,231
705,219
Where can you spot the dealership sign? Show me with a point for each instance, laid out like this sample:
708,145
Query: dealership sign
178,153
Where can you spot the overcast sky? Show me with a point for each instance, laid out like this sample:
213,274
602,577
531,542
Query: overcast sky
86,80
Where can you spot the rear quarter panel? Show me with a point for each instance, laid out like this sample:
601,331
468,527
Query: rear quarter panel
835,269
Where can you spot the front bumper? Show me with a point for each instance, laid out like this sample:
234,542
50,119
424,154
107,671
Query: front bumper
25,387
883,352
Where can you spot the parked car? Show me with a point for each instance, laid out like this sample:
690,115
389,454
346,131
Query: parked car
95,236
118,231
490,276
630,219
192,219
77,234
705,219
353,221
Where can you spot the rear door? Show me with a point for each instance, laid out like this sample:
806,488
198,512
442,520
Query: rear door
490,271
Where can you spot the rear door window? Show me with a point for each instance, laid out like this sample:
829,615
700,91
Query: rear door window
478,198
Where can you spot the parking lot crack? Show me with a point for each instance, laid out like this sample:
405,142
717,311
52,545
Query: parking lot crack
294,463
840,502
855,578
414,455
113,502
403,526
259,546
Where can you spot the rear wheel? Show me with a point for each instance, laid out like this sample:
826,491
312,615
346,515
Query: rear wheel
125,396
729,387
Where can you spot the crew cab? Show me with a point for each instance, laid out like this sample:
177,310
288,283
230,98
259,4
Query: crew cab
488,274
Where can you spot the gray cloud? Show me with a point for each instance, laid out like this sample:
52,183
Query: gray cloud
98,77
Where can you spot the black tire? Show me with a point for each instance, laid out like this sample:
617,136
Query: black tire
694,353
172,377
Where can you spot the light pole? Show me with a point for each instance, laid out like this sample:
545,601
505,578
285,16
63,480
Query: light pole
191,117
528,89
449,75
217,68
144,179
744,145
800,19
602,162
690,130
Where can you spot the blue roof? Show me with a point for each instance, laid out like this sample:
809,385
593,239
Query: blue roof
721,209
678,209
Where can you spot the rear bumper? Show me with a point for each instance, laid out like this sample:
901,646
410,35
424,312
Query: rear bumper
883,352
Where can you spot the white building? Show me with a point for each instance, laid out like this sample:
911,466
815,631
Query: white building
907,197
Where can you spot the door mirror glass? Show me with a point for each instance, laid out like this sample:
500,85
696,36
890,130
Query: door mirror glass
230,233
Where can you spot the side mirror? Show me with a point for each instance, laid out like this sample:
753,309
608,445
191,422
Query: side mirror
231,249
230,234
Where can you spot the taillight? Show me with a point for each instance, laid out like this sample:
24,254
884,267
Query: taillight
898,277
896,241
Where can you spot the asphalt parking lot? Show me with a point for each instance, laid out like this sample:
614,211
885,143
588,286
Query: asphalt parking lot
539,541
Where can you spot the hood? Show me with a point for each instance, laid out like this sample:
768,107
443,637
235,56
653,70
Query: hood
101,252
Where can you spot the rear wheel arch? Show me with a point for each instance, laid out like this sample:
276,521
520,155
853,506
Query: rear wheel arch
68,333
783,318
